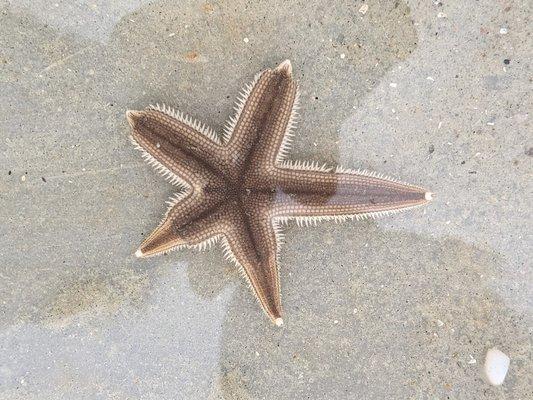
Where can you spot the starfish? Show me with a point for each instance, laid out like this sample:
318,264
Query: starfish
239,188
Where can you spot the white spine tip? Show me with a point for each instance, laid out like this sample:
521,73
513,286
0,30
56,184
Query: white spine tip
496,366
428,196
285,65
138,253
278,321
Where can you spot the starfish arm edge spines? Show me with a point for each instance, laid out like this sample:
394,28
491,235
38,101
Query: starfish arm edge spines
204,244
304,165
313,220
372,174
174,199
169,176
280,241
187,120
286,142
238,108
229,255
316,166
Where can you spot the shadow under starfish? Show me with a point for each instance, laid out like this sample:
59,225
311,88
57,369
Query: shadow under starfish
240,187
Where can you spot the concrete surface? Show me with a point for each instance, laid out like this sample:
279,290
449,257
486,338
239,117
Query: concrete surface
435,93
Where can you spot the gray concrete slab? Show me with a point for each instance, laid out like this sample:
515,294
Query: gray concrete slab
434,93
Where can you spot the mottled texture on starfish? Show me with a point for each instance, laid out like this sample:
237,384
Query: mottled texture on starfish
239,187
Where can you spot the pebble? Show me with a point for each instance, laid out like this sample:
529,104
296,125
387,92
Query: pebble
496,366
363,9
503,30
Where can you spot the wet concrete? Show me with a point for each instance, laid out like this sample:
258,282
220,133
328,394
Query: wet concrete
434,93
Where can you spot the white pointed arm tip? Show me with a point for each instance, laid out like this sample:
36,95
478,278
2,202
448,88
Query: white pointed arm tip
428,196
285,65
138,253
278,321
131,115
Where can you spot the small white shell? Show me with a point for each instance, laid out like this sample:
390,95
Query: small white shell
496,366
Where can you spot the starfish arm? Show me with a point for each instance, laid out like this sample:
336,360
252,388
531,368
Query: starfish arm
252,243
167,143
320,194
274,140
262,116
188,222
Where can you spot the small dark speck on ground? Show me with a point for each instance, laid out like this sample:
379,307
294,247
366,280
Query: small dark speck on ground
431,148
9,172
529,152
507,61
44,180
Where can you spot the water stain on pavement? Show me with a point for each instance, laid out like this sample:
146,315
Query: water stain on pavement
396,317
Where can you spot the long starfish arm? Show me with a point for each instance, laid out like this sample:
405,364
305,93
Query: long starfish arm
256,117
252,245
328,195
275,137
168,144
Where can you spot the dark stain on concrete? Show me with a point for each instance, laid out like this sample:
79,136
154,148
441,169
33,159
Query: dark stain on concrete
91,294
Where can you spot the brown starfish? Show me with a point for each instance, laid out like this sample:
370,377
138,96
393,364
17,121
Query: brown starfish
240,188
